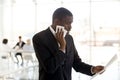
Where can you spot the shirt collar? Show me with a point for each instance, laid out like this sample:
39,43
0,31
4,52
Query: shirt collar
52,30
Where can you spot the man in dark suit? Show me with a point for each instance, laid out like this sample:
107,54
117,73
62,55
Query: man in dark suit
57,54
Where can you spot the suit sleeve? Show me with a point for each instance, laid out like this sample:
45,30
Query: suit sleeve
47,60
80,66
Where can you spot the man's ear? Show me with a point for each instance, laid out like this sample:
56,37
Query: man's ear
57,22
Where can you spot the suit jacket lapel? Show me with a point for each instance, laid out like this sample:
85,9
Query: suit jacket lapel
52,43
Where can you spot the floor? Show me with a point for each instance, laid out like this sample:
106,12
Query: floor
10,70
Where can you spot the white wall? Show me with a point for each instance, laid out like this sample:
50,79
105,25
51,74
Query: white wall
1,18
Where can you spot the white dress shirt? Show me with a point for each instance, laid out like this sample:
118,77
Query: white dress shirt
53,32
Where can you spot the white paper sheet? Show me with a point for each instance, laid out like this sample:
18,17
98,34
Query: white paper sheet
107,65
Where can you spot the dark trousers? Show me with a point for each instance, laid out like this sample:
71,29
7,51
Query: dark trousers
19,54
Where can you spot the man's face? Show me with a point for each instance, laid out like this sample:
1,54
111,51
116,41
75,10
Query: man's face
19,38
66,22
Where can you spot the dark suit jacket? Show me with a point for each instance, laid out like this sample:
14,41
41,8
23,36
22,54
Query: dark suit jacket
22,44
53,63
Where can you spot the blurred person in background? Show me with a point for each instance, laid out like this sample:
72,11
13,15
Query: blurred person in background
5,49
28,47
19,47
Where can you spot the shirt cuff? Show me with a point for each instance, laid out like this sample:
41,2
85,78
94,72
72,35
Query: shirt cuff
62,50
92,70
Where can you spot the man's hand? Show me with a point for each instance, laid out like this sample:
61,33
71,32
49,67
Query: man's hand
98,69
61,40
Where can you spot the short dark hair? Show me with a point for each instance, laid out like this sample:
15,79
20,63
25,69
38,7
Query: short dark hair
61,13
5,41
20,37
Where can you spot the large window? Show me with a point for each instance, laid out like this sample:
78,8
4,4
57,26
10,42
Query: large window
94,21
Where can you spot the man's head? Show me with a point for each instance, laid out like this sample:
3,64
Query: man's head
62,17
5,41
20,38
28,41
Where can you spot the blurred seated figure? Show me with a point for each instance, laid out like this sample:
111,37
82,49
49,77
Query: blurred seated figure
28,47
28,51
5,54
18,47
5,49
20,43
